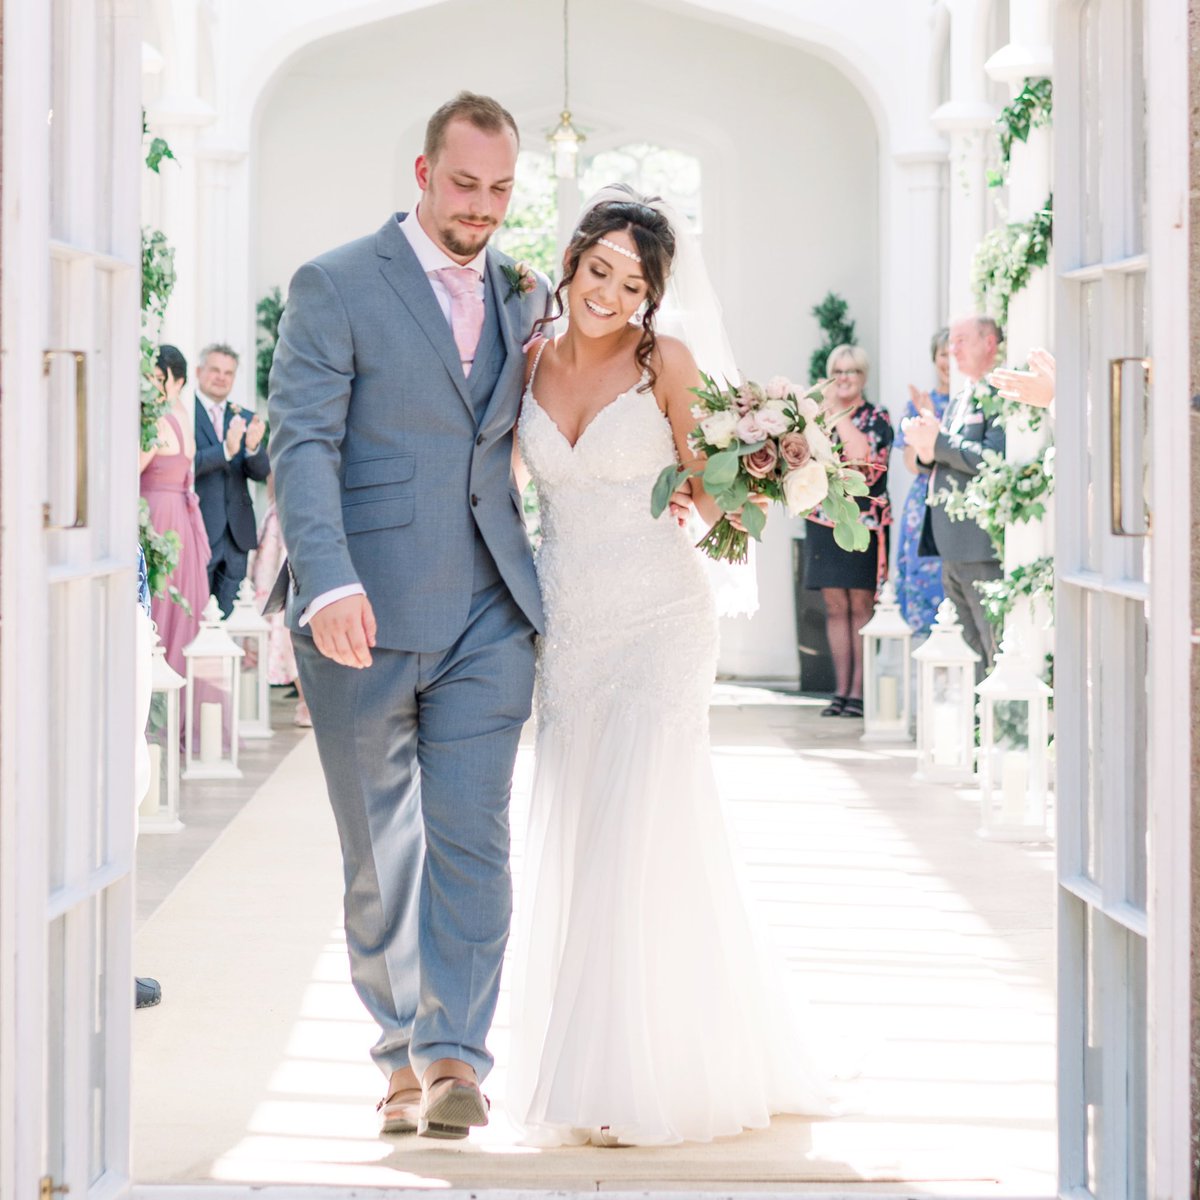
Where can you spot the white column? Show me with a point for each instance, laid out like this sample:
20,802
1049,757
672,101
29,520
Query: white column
1030,318
223,285
915,293
966,119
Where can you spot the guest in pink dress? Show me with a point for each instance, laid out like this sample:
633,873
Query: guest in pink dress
166,485
265,565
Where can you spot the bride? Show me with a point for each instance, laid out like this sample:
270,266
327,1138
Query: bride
643,1011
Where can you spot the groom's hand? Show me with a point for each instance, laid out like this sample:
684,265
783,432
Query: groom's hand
345,631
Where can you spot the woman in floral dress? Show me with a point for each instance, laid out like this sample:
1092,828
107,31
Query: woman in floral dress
919,577
848,579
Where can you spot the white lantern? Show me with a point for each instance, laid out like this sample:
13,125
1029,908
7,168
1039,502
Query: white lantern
1014,748
252,631
211,701
946,702
887,671
159,809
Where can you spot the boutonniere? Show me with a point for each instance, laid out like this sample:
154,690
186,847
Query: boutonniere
521,280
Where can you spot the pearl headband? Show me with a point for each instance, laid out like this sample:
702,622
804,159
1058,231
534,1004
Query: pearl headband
619,249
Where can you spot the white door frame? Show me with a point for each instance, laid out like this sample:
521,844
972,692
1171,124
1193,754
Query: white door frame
68,594
1171,647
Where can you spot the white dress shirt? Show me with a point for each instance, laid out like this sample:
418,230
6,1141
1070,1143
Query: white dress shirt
432,258
216,417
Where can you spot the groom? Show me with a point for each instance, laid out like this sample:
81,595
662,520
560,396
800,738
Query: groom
394,391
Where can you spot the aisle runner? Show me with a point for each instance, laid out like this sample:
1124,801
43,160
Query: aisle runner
926,948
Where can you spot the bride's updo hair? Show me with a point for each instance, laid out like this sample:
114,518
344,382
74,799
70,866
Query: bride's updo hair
655,241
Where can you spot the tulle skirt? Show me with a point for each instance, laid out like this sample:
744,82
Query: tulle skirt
642,999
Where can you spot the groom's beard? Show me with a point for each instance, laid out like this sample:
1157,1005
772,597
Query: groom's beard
456,243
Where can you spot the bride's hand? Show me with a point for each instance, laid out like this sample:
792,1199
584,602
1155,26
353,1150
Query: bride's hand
759,501
681,505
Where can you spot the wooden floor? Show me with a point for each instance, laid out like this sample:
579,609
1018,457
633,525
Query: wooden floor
925,953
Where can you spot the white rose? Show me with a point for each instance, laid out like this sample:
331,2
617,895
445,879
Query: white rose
779,406
718,429
779,387
805,487
819,442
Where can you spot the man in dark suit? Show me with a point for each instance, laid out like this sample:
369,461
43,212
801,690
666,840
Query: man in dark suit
229,452
954,449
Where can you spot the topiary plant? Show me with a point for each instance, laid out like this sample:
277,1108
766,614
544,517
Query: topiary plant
838,331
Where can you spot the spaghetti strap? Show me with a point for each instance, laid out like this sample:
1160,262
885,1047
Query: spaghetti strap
537,358
178,431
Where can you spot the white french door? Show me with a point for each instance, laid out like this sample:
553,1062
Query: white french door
68,439
1115,539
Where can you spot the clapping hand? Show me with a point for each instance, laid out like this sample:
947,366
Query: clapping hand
234,435
921,433
920,400
1034,387
255,432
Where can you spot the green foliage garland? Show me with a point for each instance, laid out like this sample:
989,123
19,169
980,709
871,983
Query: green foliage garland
1002,493
1007,258
158,281
270,311
838,331
1029,579
1029,109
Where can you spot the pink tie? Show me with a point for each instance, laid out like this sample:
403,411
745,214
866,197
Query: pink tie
218,421
466,310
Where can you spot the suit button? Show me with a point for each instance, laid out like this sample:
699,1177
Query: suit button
479,440
474,500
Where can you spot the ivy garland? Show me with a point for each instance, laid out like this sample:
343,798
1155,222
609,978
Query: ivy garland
1002,493
1030,109
158,281
1028,580
1008,256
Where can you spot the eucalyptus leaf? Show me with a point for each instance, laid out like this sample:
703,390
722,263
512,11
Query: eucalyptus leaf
668,480
755,520
720,471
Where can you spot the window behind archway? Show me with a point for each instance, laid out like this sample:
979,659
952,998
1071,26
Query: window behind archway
530,229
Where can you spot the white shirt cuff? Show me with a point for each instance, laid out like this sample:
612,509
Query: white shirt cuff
325,599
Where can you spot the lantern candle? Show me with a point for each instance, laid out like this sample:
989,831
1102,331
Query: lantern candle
151,800
249,693
210,732
889,698
1014,786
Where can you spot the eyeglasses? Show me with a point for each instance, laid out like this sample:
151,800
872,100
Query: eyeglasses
847,371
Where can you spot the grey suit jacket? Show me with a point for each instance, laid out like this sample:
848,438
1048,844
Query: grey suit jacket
965,434
384,473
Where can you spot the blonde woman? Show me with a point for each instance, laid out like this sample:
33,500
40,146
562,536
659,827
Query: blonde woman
847,579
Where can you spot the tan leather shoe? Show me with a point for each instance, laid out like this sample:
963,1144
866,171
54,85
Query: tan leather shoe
450,1106
400,1109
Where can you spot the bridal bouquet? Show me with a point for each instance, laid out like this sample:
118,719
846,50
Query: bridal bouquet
773,441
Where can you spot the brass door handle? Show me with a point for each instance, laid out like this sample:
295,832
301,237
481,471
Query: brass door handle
81,439
1115,442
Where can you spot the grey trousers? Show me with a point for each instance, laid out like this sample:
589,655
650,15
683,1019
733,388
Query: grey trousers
958,579
418,753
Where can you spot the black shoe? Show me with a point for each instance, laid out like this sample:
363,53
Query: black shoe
149,993
834,707
853,707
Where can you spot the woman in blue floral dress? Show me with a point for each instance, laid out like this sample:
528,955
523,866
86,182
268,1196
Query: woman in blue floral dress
919,578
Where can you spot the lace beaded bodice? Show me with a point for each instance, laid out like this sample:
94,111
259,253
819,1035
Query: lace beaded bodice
628,609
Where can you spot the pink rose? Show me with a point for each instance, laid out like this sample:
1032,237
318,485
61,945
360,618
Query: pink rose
795,449
779,388
762,462
749,429
748,397
771,420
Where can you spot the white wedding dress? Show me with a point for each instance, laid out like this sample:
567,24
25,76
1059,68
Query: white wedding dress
640,999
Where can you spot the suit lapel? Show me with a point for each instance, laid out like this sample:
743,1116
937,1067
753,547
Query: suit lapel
403,273
514,360
202,426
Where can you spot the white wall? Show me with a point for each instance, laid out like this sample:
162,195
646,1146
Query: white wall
788,145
